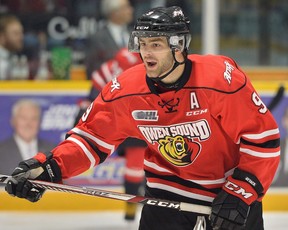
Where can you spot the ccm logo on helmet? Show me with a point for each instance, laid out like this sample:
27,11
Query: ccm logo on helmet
237,189
142,27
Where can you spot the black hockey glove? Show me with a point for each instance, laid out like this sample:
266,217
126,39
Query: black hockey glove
228,212
34,170
230,208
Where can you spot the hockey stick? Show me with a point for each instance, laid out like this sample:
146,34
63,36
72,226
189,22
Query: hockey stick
277,98
180,206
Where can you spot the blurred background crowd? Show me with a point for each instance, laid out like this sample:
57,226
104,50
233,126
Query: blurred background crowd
63,36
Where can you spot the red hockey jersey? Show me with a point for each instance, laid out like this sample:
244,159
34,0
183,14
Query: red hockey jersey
197,135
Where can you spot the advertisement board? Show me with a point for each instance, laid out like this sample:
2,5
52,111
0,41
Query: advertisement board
58,101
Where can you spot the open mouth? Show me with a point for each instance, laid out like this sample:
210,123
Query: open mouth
151,63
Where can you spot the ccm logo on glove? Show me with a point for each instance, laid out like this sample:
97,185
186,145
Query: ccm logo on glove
237,189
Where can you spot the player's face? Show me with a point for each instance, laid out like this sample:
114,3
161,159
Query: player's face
157,56
26,122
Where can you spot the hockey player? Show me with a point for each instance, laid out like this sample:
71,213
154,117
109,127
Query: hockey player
211,140
132,149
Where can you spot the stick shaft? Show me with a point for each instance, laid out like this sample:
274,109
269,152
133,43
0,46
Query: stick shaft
181,206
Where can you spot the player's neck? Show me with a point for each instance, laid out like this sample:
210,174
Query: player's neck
161,87
174,76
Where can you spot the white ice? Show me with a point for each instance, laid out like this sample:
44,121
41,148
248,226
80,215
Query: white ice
97,221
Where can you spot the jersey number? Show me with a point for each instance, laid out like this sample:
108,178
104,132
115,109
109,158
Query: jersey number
86,114
258,102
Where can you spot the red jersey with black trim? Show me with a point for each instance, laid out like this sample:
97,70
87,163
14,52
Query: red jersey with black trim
197,134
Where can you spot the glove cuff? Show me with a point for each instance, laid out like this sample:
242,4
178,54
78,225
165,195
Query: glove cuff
244,185
52,169
41,167
241,190
249,178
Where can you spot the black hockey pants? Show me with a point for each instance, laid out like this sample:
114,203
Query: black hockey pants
158,218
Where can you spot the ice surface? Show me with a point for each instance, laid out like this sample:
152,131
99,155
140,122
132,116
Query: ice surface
97,221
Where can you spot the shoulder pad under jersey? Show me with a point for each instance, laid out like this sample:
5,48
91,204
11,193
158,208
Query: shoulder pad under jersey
129,83
217,72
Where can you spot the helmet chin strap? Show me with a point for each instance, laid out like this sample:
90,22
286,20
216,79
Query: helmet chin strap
176,64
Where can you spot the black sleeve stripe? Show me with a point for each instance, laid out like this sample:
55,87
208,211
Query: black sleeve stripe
268,144
102,155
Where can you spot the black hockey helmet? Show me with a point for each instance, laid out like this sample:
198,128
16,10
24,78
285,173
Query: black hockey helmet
162,21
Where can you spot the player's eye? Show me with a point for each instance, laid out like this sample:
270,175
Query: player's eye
156,45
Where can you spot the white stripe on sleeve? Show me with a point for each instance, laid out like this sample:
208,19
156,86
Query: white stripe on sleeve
105,145
85,150
259,154
262,135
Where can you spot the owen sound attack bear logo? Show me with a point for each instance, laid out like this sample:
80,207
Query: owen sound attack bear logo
179,144
178,150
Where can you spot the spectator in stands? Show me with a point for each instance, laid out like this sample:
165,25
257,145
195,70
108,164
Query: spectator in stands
112,36
25,120
11,41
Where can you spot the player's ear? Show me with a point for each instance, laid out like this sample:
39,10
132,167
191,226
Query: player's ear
179,55
176,50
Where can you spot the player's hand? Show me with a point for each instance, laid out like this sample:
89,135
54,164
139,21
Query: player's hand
20,186
34,170
228,212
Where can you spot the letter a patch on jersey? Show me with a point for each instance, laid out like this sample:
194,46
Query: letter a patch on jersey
194,104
